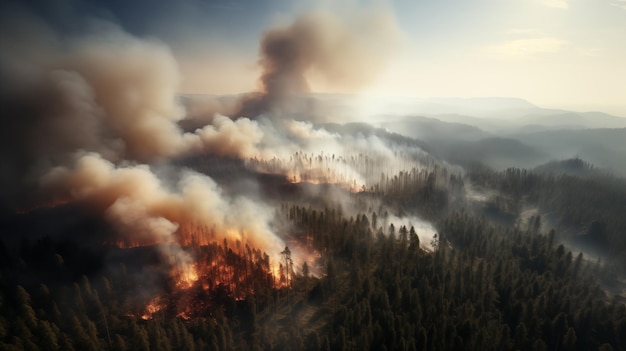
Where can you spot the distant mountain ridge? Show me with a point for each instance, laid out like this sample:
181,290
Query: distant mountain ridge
493,114
500,132
428,128
573,166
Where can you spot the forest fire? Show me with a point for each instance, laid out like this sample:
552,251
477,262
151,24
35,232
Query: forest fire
142,209
360,170
198,289
303,169
154,306
187,276
214,273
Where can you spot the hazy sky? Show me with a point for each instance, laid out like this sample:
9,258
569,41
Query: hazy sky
556,53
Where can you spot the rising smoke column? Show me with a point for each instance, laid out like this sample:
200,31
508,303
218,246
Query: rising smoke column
346,48
83,115
107,93
137,201
83,118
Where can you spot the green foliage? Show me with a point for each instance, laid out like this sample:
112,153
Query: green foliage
486,285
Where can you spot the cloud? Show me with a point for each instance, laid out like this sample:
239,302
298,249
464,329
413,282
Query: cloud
619,3
559,4
525,32
526,49
591,52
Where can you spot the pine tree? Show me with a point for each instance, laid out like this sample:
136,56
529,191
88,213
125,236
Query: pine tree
25,309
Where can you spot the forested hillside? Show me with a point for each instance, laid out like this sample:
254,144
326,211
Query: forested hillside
482,282
321,204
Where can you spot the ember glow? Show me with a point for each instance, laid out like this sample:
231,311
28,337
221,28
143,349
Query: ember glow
154,306
355,172
187,276
215,272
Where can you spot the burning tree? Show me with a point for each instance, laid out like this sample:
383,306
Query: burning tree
286,267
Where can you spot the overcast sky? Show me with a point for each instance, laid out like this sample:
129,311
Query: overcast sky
555,53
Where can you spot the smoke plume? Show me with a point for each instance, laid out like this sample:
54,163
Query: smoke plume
136,201
83,117
87,118
346,50
106,92
238,138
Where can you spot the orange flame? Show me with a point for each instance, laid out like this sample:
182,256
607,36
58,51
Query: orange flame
219,271
187,276
153,307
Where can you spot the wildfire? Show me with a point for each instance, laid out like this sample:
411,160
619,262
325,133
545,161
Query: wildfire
154,306
321,169
352,186
360,170
187,276
217,272
205,273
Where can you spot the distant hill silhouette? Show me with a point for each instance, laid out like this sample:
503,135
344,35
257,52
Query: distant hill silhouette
573,166
496,152
427,128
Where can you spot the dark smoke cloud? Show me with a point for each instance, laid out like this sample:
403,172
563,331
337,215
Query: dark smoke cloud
346,49
82,119
105,92
84,116
139,203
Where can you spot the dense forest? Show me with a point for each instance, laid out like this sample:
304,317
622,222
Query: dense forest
140,209
487,280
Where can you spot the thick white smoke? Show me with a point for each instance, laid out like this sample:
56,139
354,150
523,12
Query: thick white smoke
424,230
80,117
355,161
84,116
347,47
107,92
138,202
